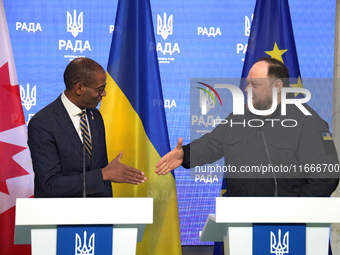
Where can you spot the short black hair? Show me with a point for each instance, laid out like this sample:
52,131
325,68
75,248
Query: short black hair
81,70
277,69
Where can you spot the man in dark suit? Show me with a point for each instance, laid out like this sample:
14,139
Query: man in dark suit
55,139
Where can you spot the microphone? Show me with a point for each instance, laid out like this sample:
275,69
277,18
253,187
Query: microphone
84,170
270,163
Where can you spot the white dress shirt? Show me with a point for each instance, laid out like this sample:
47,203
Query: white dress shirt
74,111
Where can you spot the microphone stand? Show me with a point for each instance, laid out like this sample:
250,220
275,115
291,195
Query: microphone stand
84,170
270,162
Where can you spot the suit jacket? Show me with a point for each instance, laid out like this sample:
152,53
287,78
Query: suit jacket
57,154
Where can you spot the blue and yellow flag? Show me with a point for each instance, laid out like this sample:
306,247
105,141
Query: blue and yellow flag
271,35
134,117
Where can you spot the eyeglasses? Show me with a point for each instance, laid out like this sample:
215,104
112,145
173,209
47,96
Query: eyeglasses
99,90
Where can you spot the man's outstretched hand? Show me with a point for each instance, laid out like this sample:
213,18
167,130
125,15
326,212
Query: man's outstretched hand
121,173
171,160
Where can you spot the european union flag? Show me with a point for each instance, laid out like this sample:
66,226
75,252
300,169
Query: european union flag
271,35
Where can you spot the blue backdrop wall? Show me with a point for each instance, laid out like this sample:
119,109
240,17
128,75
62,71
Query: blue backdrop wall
202,39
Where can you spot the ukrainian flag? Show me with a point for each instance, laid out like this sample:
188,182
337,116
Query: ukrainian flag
134,117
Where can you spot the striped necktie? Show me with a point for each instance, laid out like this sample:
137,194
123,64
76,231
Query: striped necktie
85,134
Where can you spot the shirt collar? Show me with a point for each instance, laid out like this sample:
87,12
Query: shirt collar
71,108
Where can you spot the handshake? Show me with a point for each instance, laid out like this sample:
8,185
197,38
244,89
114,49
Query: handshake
121,173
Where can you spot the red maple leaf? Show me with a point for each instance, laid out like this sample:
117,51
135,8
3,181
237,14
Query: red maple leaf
11,116
8,167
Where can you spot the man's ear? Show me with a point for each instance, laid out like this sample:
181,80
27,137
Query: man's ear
78,88
278,84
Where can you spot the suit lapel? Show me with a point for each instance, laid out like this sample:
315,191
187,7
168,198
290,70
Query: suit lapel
66,124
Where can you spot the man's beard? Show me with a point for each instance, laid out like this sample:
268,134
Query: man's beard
264,105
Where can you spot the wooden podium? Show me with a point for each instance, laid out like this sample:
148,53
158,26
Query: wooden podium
37,219
234,218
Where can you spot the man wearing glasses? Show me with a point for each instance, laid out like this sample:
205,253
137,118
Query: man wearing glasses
68,136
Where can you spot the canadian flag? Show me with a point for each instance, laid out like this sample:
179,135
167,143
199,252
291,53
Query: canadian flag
16,173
